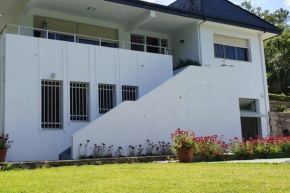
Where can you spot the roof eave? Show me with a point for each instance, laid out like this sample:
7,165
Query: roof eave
191,14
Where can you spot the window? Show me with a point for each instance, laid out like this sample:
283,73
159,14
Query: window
137,42
219,51
129,93
79,101
164,45
107,98
231,52
51,104
242,54
231,48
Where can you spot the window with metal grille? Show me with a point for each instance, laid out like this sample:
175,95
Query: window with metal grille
137,42
129,93
107,97
51,104
79,101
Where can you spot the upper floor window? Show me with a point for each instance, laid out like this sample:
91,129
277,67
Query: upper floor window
231,48
51,104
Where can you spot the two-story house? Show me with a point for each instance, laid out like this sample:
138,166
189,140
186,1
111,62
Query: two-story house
102,70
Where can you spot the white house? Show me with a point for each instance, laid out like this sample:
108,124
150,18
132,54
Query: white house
67,66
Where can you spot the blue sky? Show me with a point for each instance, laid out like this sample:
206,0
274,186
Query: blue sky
265,4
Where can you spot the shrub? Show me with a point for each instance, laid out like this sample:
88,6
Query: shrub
85,154
103,151
183,139
244,149
210,147
4,142
119,152
281,108
183,63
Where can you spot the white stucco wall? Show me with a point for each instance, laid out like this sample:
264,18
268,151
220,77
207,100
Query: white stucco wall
189,49
29,60
251,76
202,99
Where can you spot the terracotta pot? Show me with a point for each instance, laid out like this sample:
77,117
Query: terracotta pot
3,155
184,155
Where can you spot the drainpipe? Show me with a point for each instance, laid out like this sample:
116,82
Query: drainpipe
264,72
199,39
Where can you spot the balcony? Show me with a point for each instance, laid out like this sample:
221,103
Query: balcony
82,39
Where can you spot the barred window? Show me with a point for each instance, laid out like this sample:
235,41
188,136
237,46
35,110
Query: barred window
129,93
79,101
107,97
137,42
51,104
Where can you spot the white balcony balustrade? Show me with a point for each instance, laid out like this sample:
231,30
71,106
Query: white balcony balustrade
83,39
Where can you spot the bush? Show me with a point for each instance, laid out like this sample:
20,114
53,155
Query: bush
281,108
210,147
244,149
184,63
183,139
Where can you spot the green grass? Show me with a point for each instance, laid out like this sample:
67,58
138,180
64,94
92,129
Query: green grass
200,177
279,97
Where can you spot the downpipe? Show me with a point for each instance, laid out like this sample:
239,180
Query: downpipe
265,86
199,38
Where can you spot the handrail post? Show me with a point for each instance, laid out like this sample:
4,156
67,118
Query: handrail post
19,30
75,38
46,34
123,44
100,41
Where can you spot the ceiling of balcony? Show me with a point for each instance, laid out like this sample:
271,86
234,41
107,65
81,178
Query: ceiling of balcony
115,13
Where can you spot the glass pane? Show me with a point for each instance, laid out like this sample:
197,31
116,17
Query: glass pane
218,51
230,52
242,54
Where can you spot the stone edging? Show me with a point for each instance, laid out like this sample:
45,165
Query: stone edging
102,161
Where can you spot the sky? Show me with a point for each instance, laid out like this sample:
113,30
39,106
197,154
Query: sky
272,5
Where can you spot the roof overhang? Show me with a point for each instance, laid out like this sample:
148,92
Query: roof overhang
195,15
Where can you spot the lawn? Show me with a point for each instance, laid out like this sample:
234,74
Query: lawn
200,177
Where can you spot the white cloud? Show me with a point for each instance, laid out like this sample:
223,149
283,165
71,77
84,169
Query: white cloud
287,2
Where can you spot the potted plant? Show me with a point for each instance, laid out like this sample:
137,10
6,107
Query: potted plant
184,145
4,146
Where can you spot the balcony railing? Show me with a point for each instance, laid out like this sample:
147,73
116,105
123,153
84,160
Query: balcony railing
83,39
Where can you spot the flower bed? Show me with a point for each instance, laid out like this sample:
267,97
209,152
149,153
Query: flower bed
205,148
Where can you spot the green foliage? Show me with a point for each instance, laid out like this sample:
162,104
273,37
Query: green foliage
279,97
183,139
277,50
187,62
281,108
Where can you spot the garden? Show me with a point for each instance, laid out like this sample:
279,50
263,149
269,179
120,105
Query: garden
189,147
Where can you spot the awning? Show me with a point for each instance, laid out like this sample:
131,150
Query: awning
248,113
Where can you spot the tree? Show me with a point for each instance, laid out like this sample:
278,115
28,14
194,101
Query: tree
277,50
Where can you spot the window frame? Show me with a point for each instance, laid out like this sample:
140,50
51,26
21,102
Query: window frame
130,93
84,107
45,119
236,50
111,104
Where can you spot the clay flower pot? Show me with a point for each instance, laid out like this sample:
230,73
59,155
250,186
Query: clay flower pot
3,155
185,155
